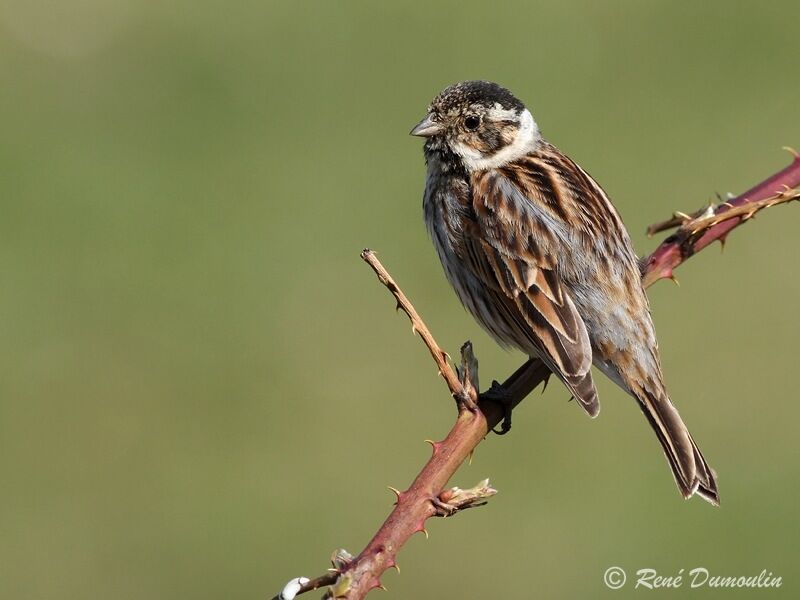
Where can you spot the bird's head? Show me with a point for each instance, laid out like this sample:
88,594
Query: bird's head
480,123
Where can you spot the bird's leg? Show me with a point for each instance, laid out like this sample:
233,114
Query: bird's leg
514,389
497,393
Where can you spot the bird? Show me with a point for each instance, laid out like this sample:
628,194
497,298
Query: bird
540,257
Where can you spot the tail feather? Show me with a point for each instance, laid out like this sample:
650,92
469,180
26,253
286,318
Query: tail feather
689,467
707,478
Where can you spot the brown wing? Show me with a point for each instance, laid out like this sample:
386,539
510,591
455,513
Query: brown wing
504,258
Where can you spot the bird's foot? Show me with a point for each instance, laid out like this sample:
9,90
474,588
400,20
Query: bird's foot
497,393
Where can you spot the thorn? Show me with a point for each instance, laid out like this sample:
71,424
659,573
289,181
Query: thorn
398,306
376,583
425,531
469,458
414,329
395,567
397,492
434,446
792,151
722,241
674,279
682,215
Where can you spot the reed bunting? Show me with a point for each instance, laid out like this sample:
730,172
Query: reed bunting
540,257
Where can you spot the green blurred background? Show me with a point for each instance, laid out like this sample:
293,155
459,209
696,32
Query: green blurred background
203,391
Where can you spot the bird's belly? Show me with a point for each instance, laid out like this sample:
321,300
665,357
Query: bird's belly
444,215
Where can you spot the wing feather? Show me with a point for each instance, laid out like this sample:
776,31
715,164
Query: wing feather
532,294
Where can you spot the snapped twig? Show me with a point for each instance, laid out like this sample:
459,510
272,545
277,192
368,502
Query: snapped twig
465,394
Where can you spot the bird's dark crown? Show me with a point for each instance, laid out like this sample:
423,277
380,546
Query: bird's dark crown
469,93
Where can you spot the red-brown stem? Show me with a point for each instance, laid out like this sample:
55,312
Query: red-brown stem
414,506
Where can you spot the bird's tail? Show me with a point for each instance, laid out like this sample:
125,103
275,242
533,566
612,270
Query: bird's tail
689,467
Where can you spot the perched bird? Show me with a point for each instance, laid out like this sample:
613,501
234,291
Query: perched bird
540,257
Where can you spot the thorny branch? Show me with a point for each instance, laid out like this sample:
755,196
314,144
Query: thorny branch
352,578
698,230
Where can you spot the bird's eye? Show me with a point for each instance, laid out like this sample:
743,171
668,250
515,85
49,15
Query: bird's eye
472,122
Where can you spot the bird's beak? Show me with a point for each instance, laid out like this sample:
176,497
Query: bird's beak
427,127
